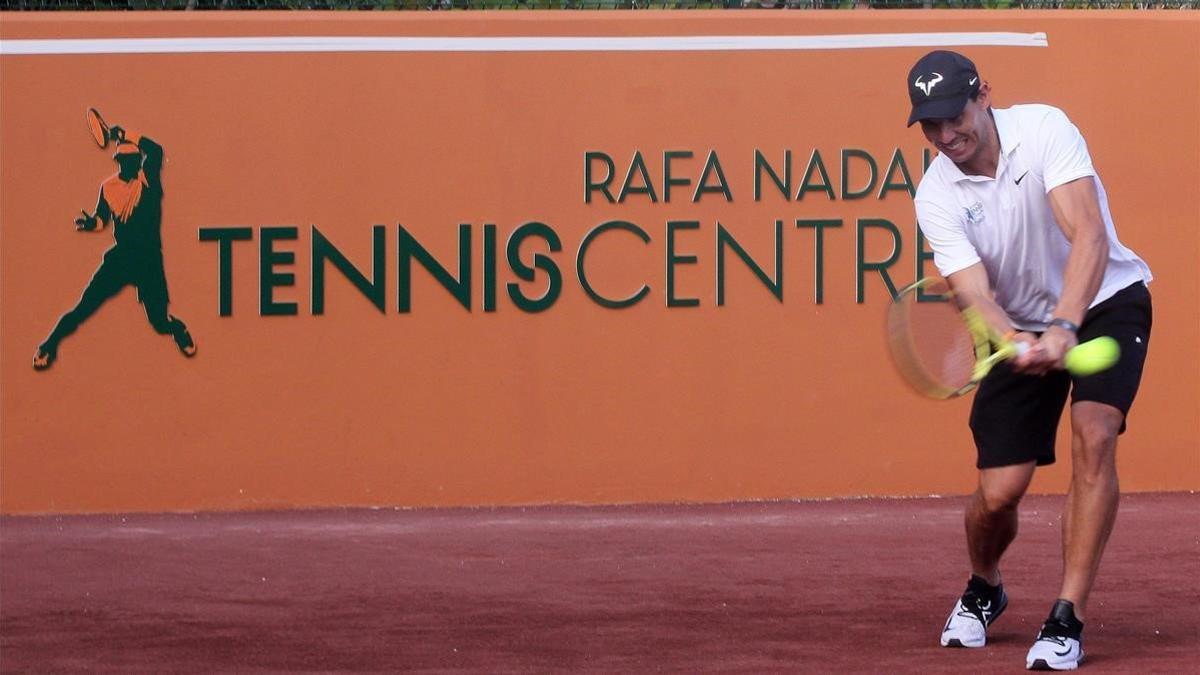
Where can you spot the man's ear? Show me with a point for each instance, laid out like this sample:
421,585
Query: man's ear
985,94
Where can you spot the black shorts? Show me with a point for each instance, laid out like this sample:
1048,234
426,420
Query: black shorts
140,267
1014,418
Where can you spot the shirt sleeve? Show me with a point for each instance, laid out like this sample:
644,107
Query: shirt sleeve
947,236
1062,151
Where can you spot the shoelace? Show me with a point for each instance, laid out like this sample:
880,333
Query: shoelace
973,609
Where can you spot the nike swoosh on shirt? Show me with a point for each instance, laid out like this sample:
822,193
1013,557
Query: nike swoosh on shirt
1022,177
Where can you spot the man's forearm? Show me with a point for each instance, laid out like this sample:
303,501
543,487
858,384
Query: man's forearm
1083,275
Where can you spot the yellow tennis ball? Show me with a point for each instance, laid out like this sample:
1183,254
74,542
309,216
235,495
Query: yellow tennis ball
1093,356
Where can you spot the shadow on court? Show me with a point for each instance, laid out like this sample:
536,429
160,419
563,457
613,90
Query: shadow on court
826,586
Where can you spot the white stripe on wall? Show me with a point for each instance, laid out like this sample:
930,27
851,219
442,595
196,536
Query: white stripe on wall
691,43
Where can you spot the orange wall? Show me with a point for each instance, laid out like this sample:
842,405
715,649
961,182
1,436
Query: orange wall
756,399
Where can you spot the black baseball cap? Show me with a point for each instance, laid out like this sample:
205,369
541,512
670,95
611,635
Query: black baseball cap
940,84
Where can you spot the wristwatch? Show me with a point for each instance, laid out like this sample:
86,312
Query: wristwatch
1064,324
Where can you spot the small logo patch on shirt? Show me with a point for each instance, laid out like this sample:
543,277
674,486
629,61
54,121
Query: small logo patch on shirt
974,213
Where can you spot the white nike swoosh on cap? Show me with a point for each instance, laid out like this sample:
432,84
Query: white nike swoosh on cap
973,80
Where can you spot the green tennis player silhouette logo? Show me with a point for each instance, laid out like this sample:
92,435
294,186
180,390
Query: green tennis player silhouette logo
131,201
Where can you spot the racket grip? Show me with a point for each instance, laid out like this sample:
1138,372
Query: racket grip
1009,349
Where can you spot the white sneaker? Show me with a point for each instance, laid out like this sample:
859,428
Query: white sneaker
1054,653
1059,644
972,614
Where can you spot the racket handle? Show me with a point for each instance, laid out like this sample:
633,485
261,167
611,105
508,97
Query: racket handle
1007,349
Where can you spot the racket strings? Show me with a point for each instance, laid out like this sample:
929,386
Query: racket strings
97,127
931,345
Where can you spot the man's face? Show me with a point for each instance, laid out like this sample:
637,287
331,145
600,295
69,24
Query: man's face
129,163
962,138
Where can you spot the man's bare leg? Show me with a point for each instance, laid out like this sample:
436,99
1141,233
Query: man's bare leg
991,518
1091,508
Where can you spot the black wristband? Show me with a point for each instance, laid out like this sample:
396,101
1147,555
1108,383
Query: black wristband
1064,324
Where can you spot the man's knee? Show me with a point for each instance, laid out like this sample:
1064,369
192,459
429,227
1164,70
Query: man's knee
1095,464
74,317
1001,489
999,499
1094,429
71,317
1095,439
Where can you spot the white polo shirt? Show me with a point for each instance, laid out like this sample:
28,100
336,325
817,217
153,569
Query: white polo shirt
1006,222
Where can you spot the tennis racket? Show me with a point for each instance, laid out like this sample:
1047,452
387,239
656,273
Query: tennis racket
97,127
944,351
101,132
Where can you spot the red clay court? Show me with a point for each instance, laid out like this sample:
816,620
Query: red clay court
814,586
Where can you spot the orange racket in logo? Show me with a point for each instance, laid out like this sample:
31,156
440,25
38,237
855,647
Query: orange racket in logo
97,126
101,132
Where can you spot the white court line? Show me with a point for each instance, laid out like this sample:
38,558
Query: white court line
690,43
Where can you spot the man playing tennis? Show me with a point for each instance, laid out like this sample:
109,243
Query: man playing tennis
132,200
1019,224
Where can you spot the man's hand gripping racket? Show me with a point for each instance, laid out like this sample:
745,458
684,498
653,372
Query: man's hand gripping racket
943,350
